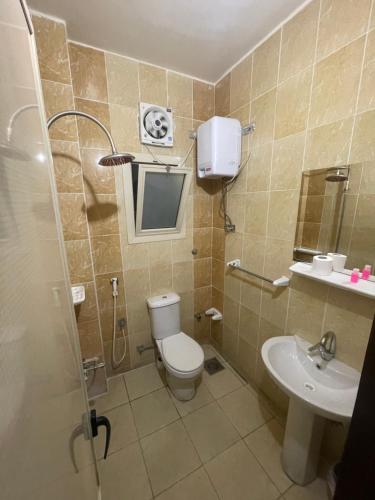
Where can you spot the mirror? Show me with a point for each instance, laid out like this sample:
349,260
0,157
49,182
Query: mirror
337,214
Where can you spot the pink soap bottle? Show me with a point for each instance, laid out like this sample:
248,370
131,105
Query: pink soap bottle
354,278
366,272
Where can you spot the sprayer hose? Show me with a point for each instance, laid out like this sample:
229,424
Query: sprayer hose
116,363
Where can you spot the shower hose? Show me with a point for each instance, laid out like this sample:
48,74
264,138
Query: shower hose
116,363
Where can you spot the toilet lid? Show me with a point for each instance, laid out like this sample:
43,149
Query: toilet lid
182,353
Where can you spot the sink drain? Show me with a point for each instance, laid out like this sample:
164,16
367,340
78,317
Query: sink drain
309,387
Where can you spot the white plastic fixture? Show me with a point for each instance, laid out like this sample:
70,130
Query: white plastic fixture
155,125
78,294
219,147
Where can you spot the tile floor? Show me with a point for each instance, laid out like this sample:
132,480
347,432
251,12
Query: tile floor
224,444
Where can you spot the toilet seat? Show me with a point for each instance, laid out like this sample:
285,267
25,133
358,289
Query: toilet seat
182,355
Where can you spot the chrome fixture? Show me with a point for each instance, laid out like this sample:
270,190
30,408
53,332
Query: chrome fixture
326,346
113,159
142,348
91,364
236,264
337,174
121,323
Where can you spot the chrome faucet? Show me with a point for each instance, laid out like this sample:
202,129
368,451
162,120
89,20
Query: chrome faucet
326,346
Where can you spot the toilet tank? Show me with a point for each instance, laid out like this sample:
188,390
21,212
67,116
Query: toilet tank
164,315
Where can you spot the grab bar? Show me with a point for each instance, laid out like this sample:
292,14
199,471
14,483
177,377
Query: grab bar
236,264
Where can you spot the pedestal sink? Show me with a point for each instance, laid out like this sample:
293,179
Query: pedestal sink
318,390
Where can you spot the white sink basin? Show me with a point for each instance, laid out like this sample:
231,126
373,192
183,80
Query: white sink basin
328,388
318,390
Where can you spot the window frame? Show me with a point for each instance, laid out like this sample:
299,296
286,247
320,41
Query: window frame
135,233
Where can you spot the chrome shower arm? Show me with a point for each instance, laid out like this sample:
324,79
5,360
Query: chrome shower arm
72,112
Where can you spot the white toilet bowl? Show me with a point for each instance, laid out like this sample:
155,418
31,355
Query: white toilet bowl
181,355
183,361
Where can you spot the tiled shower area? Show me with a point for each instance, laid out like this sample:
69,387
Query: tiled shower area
224,444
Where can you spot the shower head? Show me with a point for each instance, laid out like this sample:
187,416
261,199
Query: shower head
116,158
113,159
339,174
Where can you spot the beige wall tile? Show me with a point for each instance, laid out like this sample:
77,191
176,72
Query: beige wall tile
73,216
341,21
122,80
202,211
183,277
259,169
249,326
203,100
102,214
202,238
265,65
251,294
87,311
222,96
180,94
67,166
153,84
278,256
256,213
90,135
363,147
88,72
293,97
161,278
89,339
136,256
287,162
283,214
335,85
160,252
202,272
328,145
79,261
52,50
59,97
298,41
182,141
137,286
263,113
106,254
182,250
202,299
218,274
306,308
367,94
240,83
347,313
106,326
97,179
253,252
124,127
233,246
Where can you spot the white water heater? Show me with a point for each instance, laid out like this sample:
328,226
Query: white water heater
219,147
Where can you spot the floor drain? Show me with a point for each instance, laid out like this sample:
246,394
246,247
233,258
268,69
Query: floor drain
213,366
309,386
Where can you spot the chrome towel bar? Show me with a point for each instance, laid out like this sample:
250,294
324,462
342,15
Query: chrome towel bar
236,264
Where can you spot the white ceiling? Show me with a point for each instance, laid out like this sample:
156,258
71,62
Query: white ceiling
202,38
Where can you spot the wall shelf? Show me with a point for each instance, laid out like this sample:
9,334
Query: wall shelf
338,280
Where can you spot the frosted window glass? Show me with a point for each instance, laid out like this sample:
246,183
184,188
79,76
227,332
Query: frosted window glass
161,202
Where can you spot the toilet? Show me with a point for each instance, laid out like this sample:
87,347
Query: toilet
181,355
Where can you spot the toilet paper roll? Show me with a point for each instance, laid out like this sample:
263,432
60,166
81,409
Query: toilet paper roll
339,261
322,265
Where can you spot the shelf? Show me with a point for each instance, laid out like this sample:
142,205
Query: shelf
338,280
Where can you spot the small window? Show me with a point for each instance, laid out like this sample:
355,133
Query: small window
158,198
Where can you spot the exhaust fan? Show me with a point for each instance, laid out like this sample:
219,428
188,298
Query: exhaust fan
155,125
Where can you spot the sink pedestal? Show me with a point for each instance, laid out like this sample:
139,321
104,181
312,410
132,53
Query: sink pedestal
302,442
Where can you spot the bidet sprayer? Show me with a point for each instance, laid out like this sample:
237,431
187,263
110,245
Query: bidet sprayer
114,282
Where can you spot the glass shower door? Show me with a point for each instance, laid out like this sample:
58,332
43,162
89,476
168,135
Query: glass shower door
46,449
